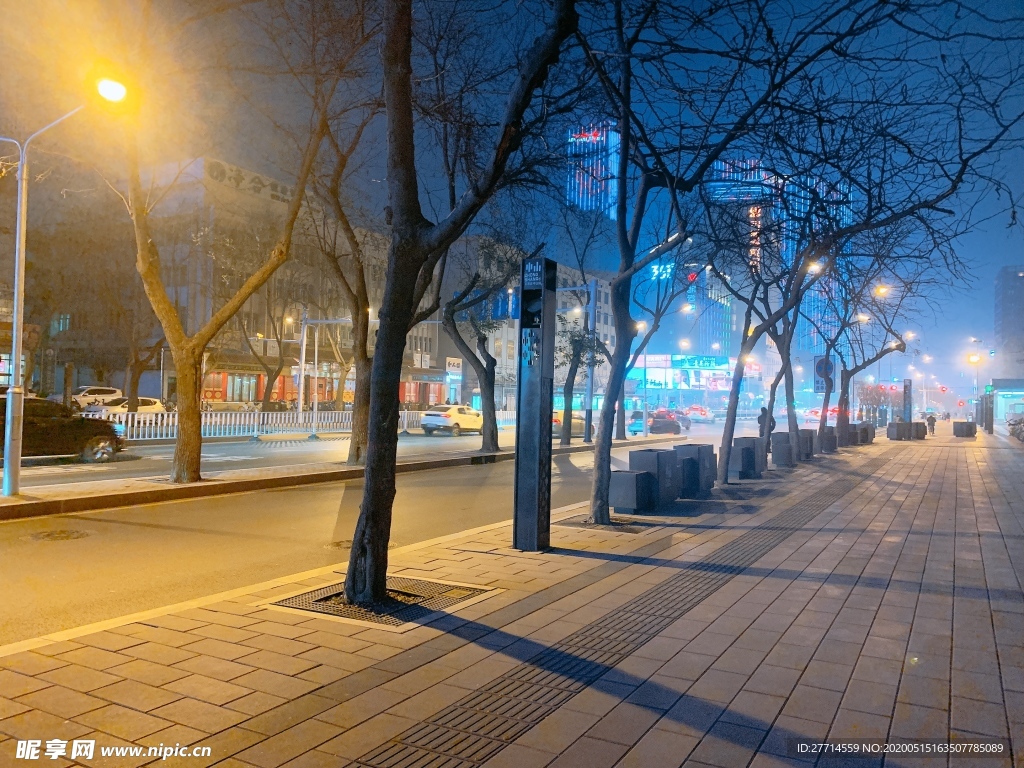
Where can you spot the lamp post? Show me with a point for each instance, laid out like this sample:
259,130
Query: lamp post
112,91
642,326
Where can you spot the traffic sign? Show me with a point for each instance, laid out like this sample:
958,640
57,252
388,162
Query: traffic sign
823,367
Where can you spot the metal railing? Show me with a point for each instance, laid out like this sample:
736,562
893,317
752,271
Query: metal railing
140,427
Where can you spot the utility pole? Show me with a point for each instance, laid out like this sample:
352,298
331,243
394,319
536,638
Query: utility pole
588,418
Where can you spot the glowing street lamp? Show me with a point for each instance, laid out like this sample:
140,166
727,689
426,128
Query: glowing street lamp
863,318
642,326
882,290
684,343
112,91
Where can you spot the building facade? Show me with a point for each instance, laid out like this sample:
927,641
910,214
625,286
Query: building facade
1009,320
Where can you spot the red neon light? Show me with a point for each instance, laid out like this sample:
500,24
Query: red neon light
692,277
588,136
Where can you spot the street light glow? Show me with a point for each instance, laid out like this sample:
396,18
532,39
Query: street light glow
881,290
863,317
974,359
111,90
716,345
684,343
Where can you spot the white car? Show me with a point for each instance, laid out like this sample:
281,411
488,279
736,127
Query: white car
454,419
90,395
120,405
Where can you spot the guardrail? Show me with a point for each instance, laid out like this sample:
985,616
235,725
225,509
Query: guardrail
140,427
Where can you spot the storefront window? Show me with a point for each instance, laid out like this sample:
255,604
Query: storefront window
241,388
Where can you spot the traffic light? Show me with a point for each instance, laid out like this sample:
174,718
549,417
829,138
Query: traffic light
943,390
991,353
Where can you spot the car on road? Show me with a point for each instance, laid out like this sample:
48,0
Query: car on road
577,429
814,414
453,419
120,405
699,414
659,422
50,429
89,395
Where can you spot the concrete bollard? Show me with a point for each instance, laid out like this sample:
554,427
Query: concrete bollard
661,464
828,441
632,492
704,455
782,455
807,445
744,459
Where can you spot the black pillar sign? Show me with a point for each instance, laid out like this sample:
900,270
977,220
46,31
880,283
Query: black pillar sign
531,524
908,400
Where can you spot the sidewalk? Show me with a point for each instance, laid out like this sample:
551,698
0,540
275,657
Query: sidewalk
872,595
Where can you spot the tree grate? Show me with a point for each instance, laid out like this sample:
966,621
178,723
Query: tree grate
474,729
410,600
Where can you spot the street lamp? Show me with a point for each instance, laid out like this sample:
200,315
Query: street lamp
112,91
642,326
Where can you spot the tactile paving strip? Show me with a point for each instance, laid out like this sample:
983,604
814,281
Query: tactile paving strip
471,731
416,599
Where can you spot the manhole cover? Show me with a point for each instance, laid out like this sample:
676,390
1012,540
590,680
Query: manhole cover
57,535
408,600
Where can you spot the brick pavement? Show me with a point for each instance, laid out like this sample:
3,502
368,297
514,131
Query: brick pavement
876,594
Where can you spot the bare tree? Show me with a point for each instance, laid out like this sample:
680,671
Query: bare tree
757,81
486,271
416,245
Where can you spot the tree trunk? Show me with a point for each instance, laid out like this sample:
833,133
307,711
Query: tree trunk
131,392
365,581
772,391
268,389
135,372
360,411
188,366
599,512
489,443
69,383
825,402
843,418
567,391
729,428
792,422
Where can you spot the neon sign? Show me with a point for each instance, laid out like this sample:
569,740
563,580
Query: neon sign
588,137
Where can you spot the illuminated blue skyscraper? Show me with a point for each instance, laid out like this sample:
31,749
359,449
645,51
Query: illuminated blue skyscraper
593,156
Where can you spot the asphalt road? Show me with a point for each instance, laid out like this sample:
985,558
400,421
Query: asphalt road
155,461
66,571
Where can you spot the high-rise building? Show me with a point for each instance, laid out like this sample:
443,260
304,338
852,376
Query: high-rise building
1009,320
593,157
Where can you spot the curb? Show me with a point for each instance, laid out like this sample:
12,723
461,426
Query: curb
27,506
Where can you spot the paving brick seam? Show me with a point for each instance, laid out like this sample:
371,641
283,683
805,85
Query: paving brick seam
477,727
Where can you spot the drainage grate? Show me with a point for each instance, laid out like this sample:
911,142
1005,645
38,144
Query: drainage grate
619,524
477,727
410,600
61,535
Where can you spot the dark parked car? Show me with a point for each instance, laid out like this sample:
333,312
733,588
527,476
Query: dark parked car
659,422
50,429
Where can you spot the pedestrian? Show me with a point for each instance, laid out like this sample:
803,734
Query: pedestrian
765,426
931,423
